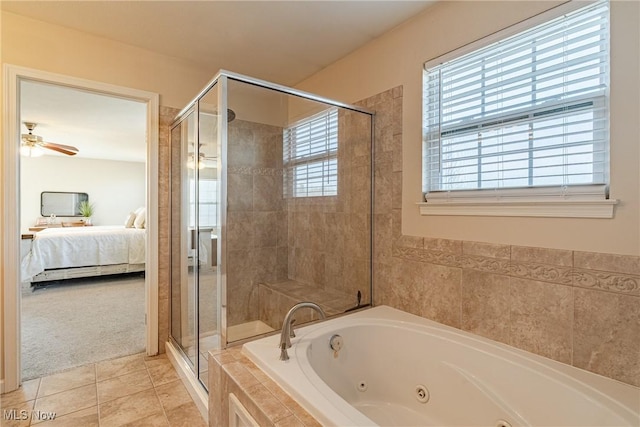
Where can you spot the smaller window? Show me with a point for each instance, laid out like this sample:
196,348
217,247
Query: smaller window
311,156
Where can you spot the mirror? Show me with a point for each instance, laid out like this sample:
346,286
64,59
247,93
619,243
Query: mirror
61,203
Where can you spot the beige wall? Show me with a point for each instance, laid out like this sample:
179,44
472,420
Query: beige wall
396,59
42,46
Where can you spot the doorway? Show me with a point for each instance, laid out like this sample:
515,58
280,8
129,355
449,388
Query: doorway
15,78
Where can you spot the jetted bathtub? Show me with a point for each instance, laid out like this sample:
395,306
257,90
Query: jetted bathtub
397,369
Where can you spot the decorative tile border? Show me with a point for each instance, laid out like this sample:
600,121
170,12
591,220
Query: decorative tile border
486,264
268,171
240,170
431,257
612,282
248,170
407,247
541,272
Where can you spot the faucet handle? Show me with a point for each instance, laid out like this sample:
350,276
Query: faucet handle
292,333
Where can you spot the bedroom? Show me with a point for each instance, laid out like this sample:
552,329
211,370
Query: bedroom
109,169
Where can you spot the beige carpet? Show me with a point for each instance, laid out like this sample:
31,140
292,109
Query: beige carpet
81,321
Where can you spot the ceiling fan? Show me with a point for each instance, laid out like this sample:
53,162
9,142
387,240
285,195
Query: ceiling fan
32,144
204,161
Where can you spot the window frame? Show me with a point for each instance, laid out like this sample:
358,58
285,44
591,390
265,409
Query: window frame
198,204
582,201
327,157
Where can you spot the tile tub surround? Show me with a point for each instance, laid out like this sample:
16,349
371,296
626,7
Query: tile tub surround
231,372
132,390
580,308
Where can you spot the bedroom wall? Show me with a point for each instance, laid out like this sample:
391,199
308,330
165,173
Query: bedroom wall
114,187
396,59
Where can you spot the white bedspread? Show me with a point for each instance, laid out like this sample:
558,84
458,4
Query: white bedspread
83,246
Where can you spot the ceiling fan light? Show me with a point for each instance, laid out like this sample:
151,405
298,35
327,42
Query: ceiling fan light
31,151
191,161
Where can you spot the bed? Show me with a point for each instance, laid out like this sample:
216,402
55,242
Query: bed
73,252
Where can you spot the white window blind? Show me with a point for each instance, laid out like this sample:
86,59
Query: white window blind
528,111
311,156
208,205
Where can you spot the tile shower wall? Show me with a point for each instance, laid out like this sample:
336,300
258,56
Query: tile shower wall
579,308
328,237
257,220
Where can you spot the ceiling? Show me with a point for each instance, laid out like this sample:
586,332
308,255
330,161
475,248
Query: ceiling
100,126
280,41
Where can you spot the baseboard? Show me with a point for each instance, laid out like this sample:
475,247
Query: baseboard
193,386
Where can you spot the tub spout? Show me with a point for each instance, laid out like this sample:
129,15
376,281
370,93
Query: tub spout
286,333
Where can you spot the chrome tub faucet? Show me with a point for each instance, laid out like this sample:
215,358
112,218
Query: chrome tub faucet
287,331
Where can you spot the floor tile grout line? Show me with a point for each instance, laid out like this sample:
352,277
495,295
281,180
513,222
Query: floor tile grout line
164,411
65,390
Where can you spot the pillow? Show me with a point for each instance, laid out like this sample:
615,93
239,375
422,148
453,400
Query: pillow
141,219
128,223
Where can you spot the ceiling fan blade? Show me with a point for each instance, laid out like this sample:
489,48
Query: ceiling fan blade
60,148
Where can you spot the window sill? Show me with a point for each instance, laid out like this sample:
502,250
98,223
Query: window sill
531,208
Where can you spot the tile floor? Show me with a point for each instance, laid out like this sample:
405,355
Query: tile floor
130,391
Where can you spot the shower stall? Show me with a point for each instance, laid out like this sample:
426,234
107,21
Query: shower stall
271,205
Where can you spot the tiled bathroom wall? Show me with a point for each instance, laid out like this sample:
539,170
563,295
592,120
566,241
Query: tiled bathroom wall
257,220
579,308
328,250
329,236
167,115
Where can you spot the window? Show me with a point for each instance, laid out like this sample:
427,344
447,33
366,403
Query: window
528,111
311,156
208,193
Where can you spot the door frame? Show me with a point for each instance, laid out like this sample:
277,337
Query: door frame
10,346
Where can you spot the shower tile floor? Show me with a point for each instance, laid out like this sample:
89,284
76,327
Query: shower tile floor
134,390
